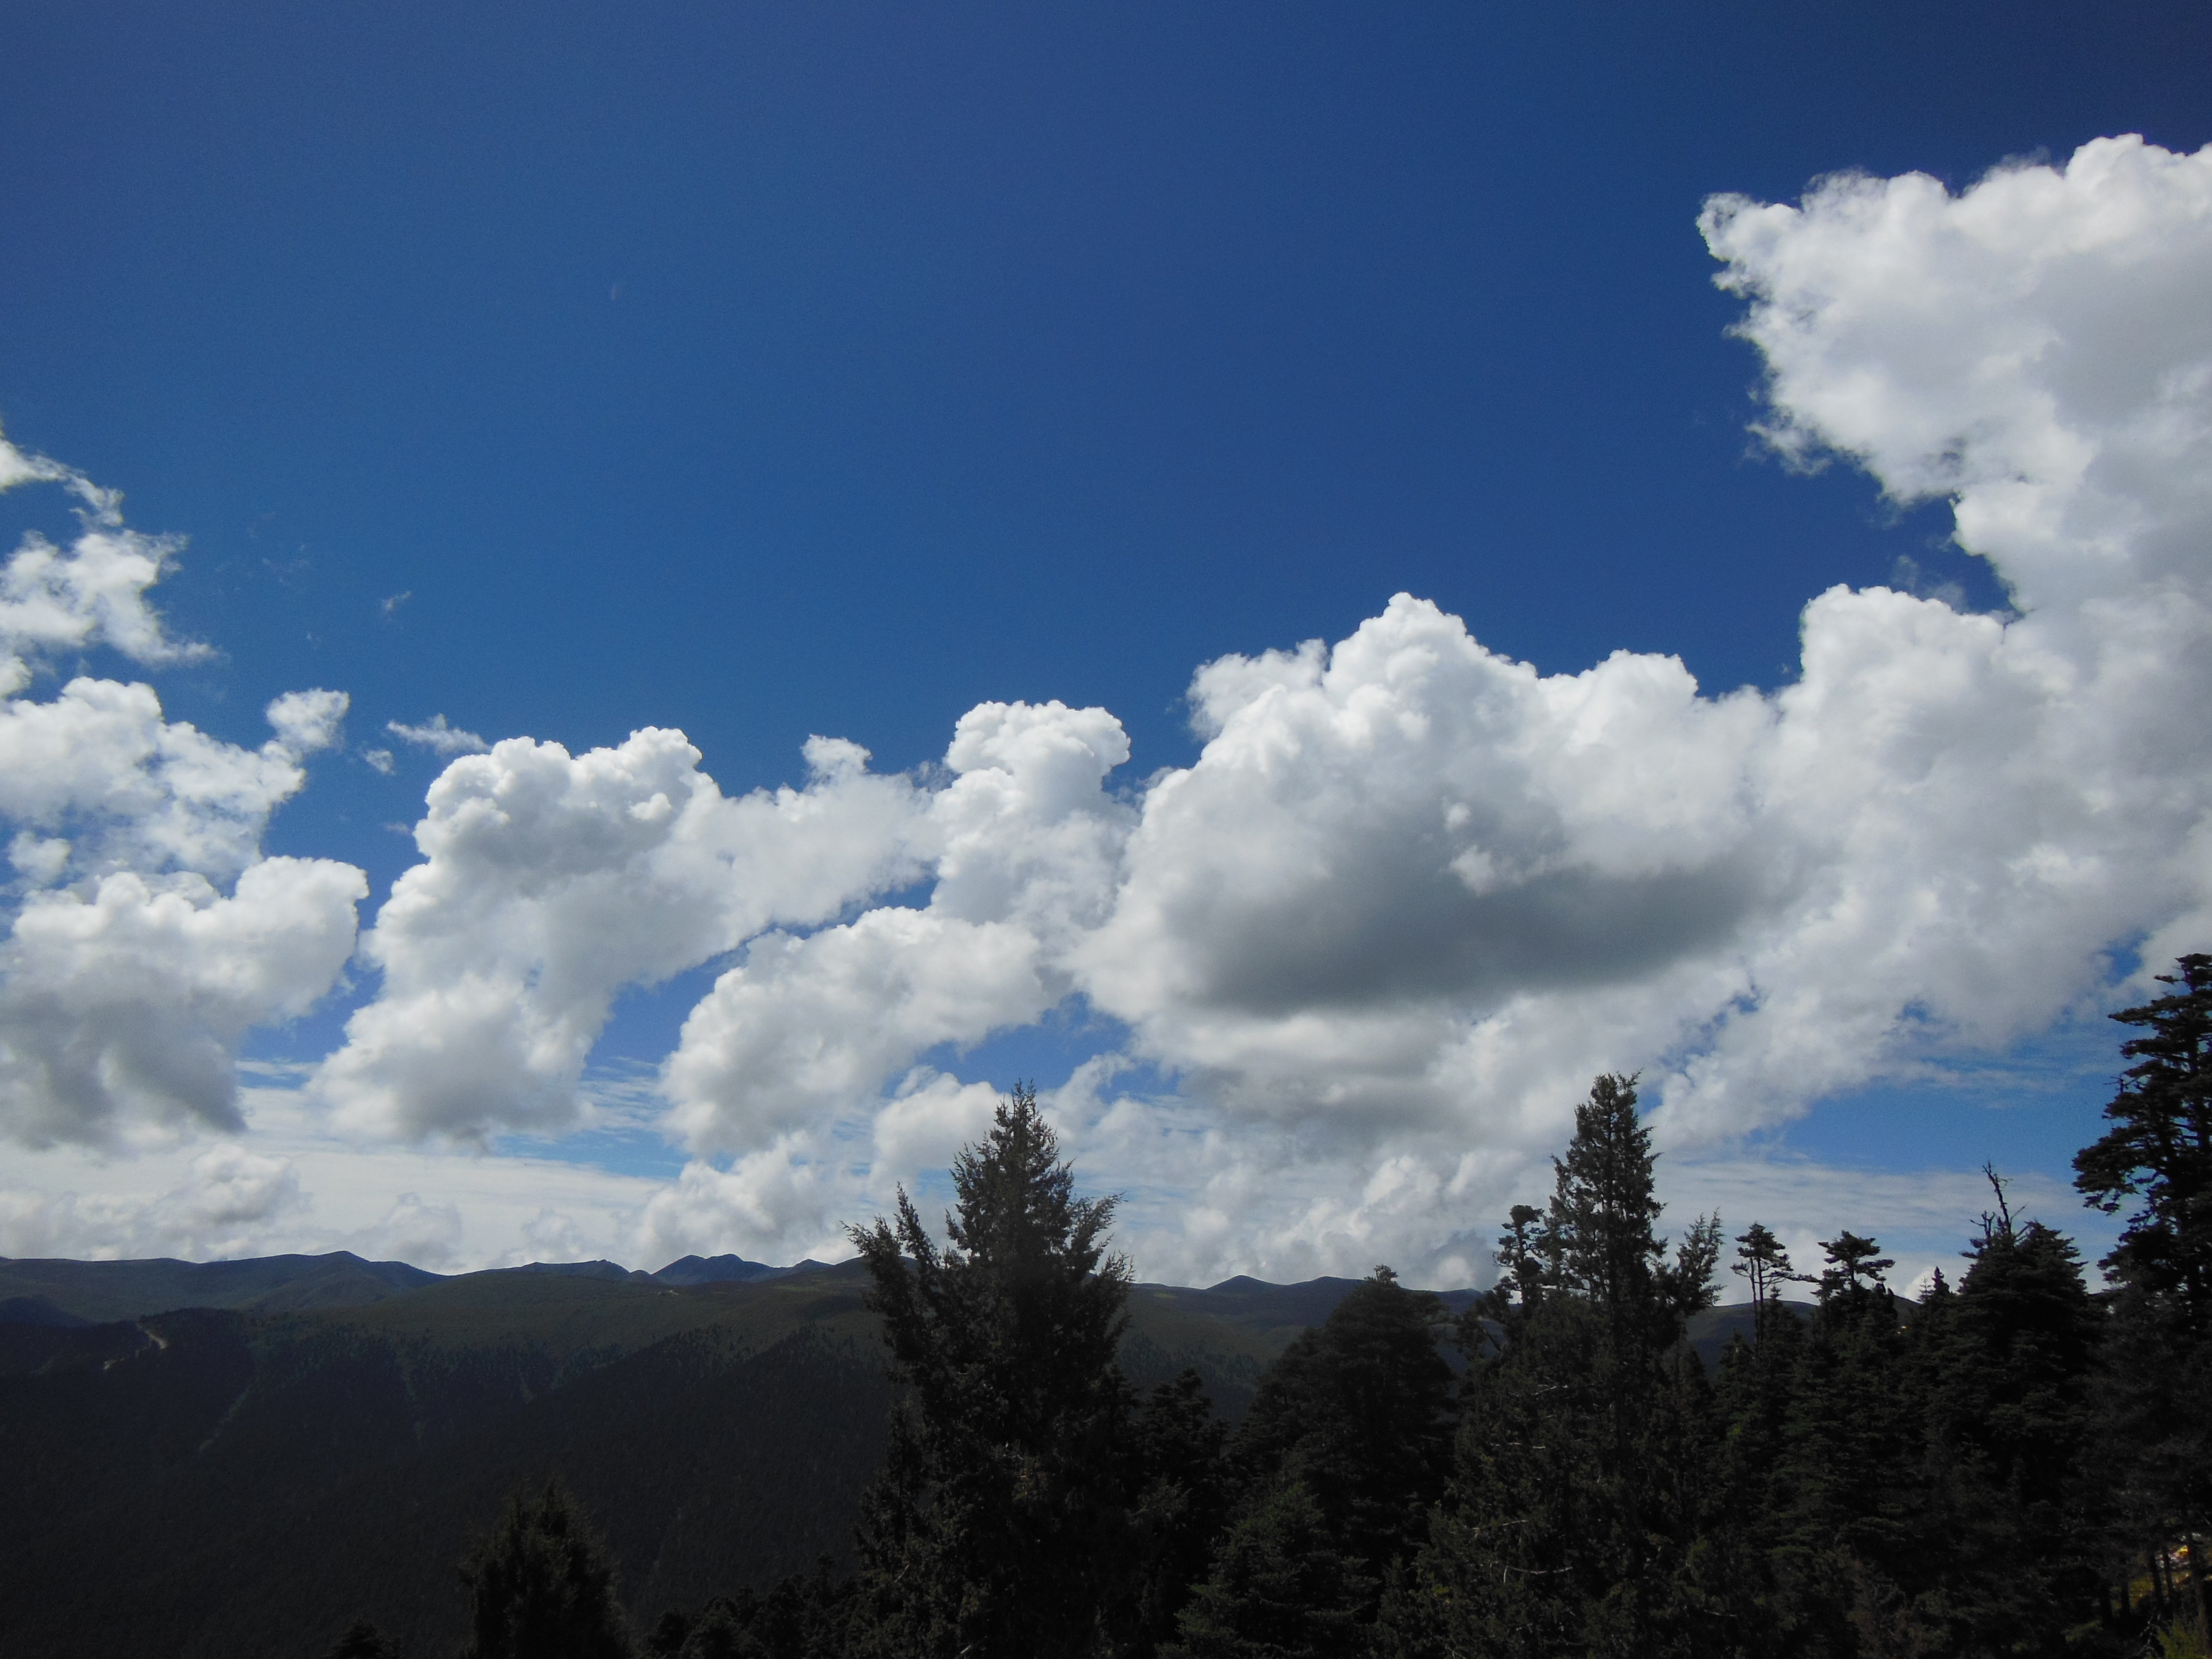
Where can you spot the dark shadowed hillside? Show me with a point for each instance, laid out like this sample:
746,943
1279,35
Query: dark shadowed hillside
1710,1329
319,1438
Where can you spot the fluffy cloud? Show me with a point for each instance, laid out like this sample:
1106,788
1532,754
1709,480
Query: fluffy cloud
1412,894
92,592
1354,964
145,933
1379,839
2036,350
1026,848
231,1203
124,1007
550,882
100,766
290,1183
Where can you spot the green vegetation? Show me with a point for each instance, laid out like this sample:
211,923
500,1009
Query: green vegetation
1002,1447
541,1586
1003,1521
2157,1391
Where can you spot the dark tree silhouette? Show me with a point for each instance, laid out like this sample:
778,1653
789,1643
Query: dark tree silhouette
2157,1438
1184,1499
2158,1150
1761,1260
1358,1412
362,1640
1854,1272
1603,1207
2009,1360
1001,1525
1280,1588
1575,1498
541,1585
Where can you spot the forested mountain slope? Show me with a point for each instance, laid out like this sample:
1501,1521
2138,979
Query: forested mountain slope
219,1479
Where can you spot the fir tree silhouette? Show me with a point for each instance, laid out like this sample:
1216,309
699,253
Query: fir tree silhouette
542,1586
1002,1524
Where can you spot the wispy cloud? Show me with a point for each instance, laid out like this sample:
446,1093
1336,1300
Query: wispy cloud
436,736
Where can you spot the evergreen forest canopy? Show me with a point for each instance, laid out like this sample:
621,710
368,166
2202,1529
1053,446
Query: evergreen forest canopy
2014,1465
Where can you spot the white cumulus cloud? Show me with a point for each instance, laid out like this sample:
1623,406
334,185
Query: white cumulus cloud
1354,964
1025,848
550,882
91,593
1413,895
125,1006
145,933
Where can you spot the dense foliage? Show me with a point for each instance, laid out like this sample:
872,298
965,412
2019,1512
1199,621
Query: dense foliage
541,1587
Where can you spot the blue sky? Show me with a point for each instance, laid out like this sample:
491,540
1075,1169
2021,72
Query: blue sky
773,371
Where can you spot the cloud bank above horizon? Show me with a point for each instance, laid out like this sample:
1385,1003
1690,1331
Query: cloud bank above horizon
1355,963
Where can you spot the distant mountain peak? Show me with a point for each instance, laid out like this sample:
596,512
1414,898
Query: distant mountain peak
600,1269
723,1270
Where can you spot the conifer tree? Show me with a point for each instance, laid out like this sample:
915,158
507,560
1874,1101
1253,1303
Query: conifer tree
1603,1206
2157,1443
1357,1410
1854,1274
1526,1259
1001,1525
1850,1479
1183,1483
1575,1499
1281,1589
542,1586
2011,1357
1751,1489
2158,1150
1761,1260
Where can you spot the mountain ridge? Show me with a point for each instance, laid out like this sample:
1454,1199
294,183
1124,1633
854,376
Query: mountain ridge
35,1288
100,1291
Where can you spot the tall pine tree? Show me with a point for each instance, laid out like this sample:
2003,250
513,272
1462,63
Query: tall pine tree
1761,1260
1001,1526
2009,1360
1848,1487
2158,1153
1358,1411
1575,1500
